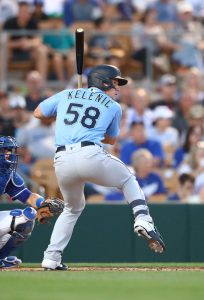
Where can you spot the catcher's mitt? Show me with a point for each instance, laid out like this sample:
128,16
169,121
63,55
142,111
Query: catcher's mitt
48,209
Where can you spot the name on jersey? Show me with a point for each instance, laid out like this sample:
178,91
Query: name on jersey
81,94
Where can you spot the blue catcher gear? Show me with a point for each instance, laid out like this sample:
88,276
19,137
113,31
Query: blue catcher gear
8,160
101,77
22,225
10,262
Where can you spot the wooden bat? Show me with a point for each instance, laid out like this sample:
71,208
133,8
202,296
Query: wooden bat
79,39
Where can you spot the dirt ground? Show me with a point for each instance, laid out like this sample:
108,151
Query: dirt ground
122,269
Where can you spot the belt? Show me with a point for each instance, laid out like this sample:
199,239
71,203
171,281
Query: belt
83,144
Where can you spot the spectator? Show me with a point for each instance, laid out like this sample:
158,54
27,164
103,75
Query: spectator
98,56
167,88
181,118
141,5
99,38
151,183
80,10
139,111
198,9
148,41
126,10
53,7
140,140
162,129
126,94
8,9
194,79
194,164
184,192
103,47
189,39
60,42
6,116
166,12
35,90
37,141
196,115
20,116
38,12
25,45
193,136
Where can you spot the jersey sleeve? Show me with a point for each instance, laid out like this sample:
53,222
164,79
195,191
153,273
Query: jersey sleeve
113,129
16,189
48,107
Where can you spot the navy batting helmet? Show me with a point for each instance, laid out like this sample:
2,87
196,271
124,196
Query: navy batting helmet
8,153
102,76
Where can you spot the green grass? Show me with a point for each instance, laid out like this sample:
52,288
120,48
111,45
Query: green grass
104,285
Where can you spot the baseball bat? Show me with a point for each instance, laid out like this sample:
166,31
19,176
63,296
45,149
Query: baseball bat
79,38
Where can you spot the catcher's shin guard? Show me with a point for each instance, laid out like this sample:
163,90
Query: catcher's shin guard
20,235
151,234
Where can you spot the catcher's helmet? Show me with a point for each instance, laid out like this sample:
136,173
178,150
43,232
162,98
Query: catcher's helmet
102,76
8,153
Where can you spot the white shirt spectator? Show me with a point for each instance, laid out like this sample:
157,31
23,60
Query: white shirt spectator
162,130
198,7
38,139
169,136
53,7
146,118
8,9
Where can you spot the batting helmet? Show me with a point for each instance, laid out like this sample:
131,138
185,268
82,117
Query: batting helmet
8,153
102,76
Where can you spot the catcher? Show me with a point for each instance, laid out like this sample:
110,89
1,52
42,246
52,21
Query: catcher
16,225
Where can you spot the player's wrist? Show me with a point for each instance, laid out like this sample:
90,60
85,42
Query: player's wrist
39,201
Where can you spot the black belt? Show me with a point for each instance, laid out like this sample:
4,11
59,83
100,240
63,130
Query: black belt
83,144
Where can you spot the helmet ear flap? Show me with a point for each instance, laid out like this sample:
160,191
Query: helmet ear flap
99,81
104,74
106,83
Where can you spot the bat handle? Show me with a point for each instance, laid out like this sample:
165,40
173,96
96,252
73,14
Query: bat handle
79,81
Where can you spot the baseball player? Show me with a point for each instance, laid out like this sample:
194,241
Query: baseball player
87,118
16,225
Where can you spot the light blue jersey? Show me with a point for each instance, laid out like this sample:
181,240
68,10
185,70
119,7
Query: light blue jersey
82,115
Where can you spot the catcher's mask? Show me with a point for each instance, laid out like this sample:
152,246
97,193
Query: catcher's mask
101,77
8,153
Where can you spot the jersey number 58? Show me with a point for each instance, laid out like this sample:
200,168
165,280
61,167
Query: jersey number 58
88,119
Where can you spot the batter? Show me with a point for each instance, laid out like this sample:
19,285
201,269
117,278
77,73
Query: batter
86,119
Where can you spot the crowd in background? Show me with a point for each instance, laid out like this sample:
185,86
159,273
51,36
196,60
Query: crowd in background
158,45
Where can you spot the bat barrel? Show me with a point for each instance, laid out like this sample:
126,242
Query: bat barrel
79,37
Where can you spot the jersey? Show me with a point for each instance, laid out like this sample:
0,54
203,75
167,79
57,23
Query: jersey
82,115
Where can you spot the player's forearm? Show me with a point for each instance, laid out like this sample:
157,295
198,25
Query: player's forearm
39,115
108,140
34,200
